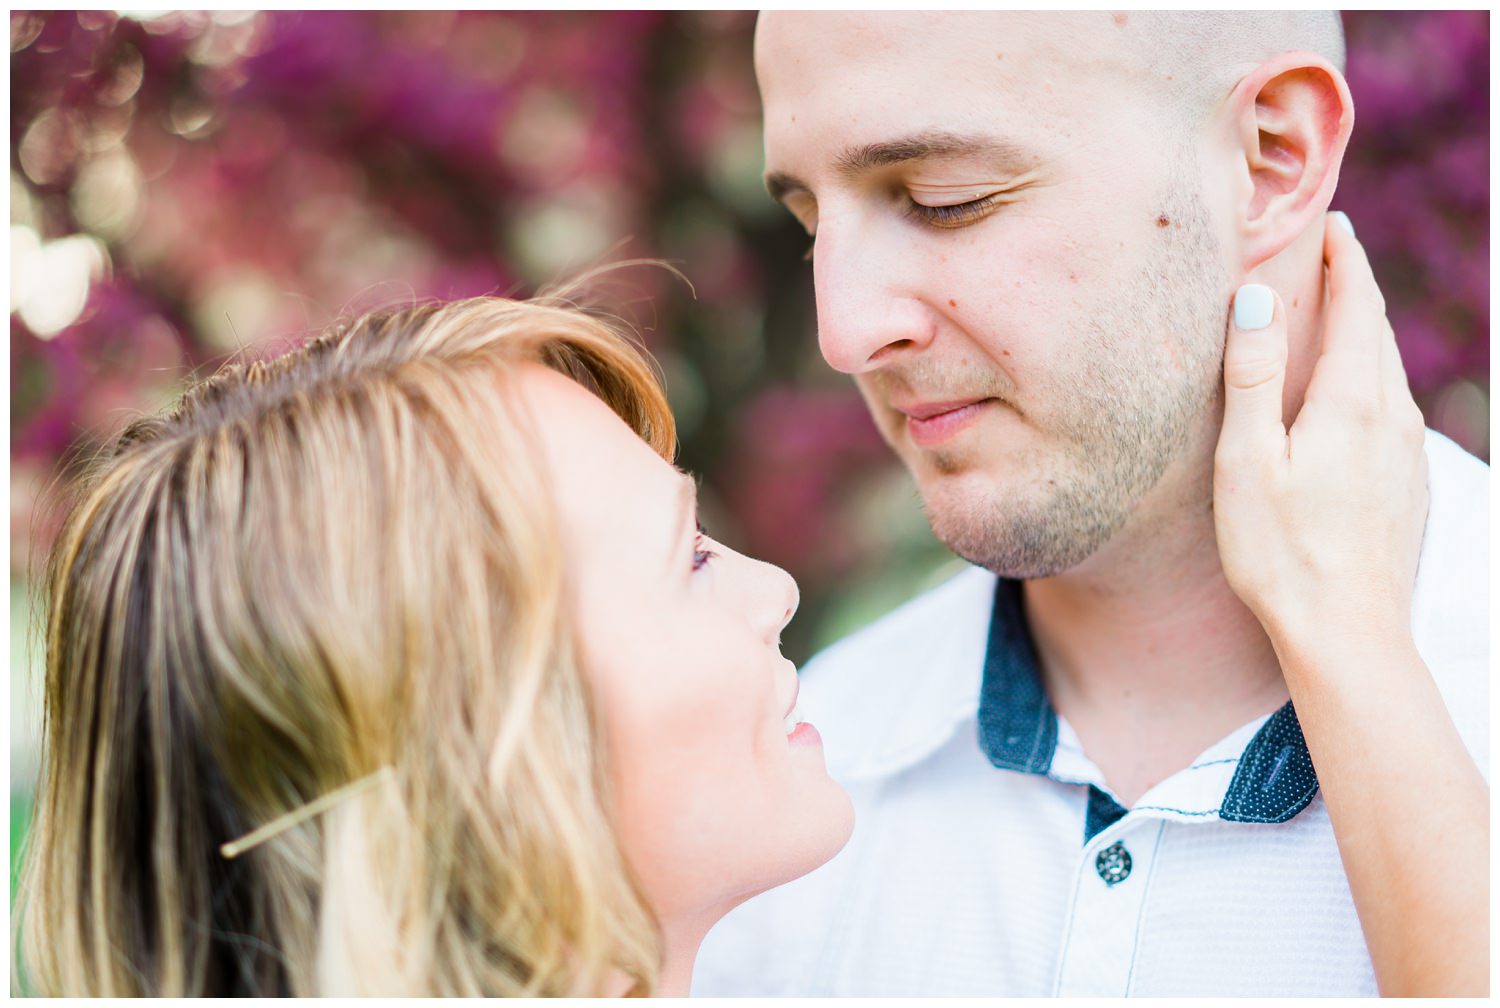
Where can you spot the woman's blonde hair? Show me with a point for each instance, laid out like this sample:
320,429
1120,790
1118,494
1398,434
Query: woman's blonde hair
336,564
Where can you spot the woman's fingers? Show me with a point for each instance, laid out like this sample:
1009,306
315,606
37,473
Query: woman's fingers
1351,286
1353,362
1358,332
1346,483
1351,278
1255,356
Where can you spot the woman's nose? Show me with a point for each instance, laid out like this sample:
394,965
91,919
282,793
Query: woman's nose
775,600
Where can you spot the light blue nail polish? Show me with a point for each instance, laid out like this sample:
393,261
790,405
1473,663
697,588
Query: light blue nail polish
1342,220
1254,306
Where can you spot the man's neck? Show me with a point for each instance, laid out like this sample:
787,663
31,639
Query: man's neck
1145,649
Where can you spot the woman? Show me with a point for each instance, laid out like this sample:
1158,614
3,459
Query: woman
361,571
399,665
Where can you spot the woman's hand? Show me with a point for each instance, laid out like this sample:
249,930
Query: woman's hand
1320,525
1319,531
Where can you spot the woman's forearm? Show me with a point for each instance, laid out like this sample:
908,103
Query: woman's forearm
1409,808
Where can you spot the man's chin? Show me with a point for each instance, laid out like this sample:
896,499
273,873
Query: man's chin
1016,559
1018,538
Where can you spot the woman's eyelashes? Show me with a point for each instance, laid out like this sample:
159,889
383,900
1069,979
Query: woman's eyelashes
701,556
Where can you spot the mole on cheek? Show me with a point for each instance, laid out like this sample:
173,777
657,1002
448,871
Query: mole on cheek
952,303
1163,221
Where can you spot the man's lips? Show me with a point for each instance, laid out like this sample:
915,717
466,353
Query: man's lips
928,410
931,423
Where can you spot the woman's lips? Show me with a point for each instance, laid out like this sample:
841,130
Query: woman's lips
805,735
930,424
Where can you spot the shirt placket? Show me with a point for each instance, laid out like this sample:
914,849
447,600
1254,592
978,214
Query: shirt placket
1103,924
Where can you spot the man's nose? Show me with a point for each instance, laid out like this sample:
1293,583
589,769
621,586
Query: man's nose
869,309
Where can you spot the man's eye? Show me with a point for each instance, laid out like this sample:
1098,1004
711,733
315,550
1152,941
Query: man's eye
955,215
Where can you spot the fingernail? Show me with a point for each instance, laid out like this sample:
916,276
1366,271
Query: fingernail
1254,305
1342,220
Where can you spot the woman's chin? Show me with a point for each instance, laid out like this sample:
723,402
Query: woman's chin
819,836
842,827
691,893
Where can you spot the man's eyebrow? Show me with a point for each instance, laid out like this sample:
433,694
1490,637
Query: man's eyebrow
854,161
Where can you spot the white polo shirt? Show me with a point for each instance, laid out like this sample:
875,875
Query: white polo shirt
988,857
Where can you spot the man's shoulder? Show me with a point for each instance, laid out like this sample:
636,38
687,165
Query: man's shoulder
1451,601
1454,467
1453,573
894,690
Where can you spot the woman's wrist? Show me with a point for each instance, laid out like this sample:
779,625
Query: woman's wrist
1321,651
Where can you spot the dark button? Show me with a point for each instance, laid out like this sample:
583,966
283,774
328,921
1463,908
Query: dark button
1113,864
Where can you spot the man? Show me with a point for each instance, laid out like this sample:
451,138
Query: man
1075,768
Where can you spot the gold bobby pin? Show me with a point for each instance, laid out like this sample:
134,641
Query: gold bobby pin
282,823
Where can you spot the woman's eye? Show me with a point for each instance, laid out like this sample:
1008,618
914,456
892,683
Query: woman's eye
954,215
701,556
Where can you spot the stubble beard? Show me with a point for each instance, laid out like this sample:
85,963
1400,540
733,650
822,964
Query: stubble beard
1127,416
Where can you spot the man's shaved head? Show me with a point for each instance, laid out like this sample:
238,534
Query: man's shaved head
1229,37
1196,57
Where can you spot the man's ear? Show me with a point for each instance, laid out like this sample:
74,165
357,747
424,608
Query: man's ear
1292,116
